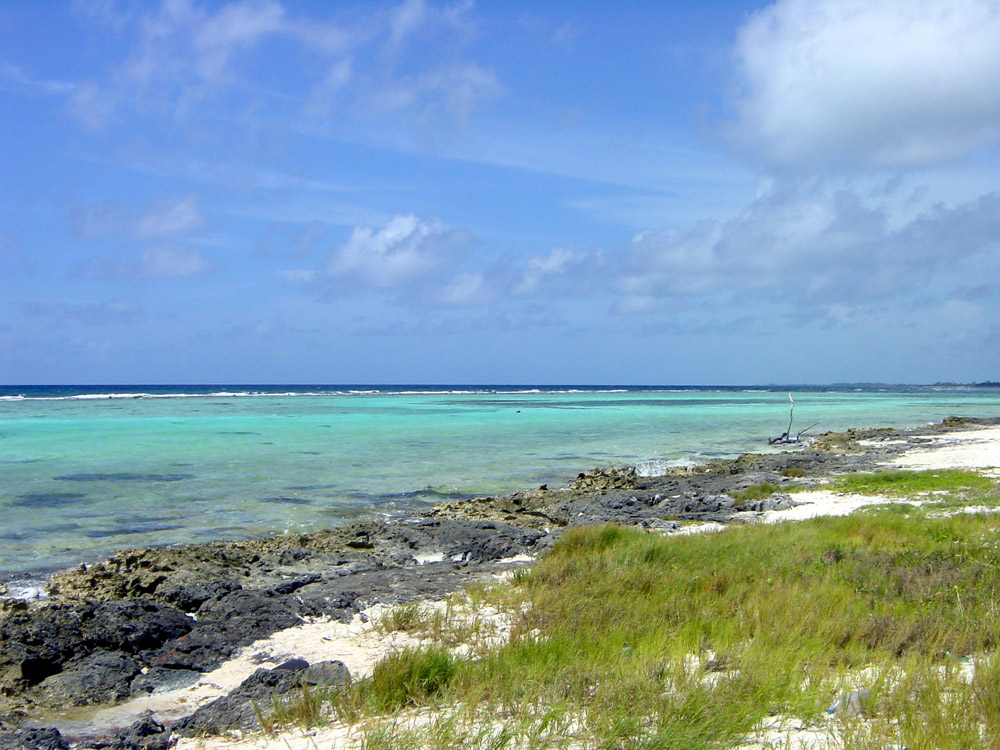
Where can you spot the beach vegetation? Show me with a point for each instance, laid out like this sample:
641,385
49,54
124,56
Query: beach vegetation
406,678
306,707
756,492
466,620
793,472
622,638
902,482
406,618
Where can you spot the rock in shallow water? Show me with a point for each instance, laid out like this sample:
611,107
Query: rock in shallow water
145,734
102,677
40,643
161,680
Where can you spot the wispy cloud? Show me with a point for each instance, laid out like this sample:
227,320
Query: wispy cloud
14,78
169,218
119,311
170,262
188,59
149,242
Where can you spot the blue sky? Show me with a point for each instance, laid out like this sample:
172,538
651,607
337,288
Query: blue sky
458,192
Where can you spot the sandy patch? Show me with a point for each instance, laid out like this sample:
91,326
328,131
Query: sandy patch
333,737
783,733
360,645
966,449
822,503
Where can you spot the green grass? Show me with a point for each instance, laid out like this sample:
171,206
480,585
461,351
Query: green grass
626,639
755,492
914,482
407,678
301,708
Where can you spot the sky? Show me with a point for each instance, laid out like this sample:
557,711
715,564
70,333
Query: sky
734,192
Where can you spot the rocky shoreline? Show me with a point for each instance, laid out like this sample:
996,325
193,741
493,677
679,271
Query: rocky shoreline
150,620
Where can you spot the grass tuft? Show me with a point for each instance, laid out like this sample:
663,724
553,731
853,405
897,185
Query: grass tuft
407,678
756,492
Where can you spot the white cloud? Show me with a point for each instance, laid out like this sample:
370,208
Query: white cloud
235,28
543,268
190,58
854,83
168,262
807,247
410,17
324,94
449,93
404,250
169,218
405,19
184,41
91,105
13,78
466,289
299,275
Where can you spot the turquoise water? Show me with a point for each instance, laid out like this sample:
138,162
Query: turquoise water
82,474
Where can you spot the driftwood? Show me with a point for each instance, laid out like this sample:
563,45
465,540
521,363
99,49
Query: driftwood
786,436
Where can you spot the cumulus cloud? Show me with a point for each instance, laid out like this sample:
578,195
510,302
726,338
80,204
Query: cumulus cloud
853,83
810,248
324,94
405,250
559,262
88,103
409,18
92,105
183,53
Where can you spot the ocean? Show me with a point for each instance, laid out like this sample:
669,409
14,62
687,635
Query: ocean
86,470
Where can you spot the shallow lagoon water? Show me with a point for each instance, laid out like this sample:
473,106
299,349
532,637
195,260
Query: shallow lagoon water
85,471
